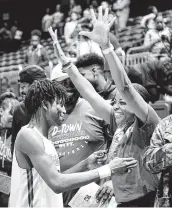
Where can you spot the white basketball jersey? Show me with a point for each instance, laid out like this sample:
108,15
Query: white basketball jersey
28,189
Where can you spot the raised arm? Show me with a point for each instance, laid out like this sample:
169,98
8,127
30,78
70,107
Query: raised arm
83,85
100,35
30,145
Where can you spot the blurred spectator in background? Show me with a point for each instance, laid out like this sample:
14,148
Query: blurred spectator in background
5,37
148,21
105,5
17,34
87,46
86,16
37,54
70,27
8,102
5,85
72,4
6,17
75,8
94,5
114,28
57,20
159,38
122,11
46,22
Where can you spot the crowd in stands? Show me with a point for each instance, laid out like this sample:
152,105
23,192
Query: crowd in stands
110,105
10,34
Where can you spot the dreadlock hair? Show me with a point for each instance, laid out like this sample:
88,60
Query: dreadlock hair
43,90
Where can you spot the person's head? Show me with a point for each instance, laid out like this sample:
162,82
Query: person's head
91,65
72,2
74,16
35,38
94,4
122,110
58,8
4,84
87,14
104,5
45,100
8,102
47,11
27,76
159,23
152,9
72,92
6,25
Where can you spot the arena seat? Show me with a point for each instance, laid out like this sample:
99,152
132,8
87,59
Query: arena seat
162,108
131,36
133,59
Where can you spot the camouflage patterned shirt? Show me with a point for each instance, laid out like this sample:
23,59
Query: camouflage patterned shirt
158,159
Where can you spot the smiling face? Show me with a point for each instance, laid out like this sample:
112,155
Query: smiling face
55,113
121,110
24,87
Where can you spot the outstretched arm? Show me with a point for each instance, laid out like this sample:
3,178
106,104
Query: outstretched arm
96,159
31,146
100,35
83,85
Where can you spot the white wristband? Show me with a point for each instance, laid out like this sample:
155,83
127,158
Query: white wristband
104,171
108,50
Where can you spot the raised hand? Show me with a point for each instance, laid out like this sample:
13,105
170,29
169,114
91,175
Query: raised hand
57,48
101,28
53,34
122,165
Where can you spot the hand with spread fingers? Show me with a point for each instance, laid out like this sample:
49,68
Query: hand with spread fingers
97,159
105,193
122,165
101,28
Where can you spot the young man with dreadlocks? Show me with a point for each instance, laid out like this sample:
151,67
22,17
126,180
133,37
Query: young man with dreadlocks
36,181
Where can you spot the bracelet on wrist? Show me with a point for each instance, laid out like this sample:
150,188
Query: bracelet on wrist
56,42
66,67
67,64
108,50
104,171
